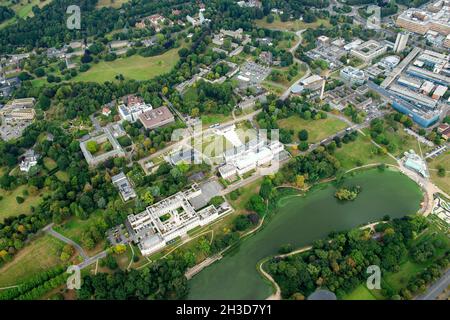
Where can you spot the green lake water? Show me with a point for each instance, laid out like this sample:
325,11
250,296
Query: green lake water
301,220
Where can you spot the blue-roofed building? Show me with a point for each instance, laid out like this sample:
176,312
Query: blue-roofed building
423,119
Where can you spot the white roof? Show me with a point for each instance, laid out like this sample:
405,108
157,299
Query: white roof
440,90
311,79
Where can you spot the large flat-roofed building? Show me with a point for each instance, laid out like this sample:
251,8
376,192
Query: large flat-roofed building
369,50
95,159
123,184
422,20
413,96
132,107
428,75
423,118
170,218
18,110
353,75
155,118
412,83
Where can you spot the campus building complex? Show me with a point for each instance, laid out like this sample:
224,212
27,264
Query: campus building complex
435,18
353,75
369,50
245,157
418,84
171,218
18,110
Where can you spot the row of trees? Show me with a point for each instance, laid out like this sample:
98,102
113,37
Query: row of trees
6,13
163,279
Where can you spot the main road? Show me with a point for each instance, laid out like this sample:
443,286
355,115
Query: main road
436,289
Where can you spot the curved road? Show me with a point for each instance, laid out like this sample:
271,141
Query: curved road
49,229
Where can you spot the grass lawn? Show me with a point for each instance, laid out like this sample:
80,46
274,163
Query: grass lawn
50,164
111,3
404,142
22,9
246,192
360,293
399,280
293,25
134,67
9,206
360,152
317,129
441,182
41,254
410,268
74,228
211,119
62,176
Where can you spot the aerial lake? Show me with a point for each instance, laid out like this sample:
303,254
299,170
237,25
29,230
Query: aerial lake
301,220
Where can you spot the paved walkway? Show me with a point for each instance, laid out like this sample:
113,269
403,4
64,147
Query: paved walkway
87,261
49,229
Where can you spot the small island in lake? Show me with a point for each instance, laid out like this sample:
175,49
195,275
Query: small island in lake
348,193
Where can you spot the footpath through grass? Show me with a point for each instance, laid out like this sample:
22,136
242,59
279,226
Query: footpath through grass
360,152
40,255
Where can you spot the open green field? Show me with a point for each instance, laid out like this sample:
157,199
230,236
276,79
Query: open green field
360,152
246,192
210,119
74,228
22,8
360,293
405,142
9,206
293,25
41,254
62,176
50,164
111,3
317,129
134,67
441,182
